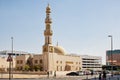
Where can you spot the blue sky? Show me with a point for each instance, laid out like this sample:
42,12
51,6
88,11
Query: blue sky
80,26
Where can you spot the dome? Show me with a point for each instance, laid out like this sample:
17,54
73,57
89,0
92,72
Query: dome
59,50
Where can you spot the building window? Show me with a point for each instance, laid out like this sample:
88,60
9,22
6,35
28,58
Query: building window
61,68
57,68
61,62
36,61
76,68
17,61
21,61
41,61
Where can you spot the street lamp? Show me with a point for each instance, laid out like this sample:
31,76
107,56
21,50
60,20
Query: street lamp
10,60
12,57
111,53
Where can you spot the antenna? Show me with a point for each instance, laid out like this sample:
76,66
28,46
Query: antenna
48,1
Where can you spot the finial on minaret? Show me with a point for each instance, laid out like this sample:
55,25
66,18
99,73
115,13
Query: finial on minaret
48,4
48,9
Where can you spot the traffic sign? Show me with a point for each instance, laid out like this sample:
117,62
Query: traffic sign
9,59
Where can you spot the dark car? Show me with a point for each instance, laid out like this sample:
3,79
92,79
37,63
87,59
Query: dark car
72,74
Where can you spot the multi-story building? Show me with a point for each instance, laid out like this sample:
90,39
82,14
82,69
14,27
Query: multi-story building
91,62
113,57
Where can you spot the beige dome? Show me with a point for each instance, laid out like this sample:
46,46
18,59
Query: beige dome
59,50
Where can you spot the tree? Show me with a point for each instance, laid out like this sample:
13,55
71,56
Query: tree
41,68
26,67
17,68
36,67
30,63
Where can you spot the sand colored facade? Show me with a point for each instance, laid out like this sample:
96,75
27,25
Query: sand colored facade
21,61
63,63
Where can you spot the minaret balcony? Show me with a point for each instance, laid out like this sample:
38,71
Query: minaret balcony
48,20
48,32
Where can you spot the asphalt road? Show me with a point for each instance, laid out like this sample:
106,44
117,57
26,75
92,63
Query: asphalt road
72,78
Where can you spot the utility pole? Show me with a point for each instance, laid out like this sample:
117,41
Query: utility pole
12,57
10,60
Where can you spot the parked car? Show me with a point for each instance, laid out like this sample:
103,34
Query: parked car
72,74
80,72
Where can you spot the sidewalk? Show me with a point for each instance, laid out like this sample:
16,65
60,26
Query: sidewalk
31,76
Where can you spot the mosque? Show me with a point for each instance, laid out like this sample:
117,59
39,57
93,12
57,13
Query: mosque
53,58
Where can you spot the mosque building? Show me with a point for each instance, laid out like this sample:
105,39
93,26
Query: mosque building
53,58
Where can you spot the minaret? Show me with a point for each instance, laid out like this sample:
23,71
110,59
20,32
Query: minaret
48,32
48,48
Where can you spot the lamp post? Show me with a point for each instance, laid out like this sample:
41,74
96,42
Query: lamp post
111,54
10,60
12,57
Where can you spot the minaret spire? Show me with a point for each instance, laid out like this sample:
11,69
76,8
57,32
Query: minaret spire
48,32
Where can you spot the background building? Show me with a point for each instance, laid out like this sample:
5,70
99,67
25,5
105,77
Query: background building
91,62
5,53
113,58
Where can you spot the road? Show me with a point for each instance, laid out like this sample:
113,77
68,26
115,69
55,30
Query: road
71,78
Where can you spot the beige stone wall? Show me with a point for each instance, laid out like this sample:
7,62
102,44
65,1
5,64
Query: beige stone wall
64,62
21,60
37,59
55,62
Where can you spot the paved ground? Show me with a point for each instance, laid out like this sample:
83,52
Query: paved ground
95,77
45,77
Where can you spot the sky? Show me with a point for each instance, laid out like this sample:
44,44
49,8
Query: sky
79,26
